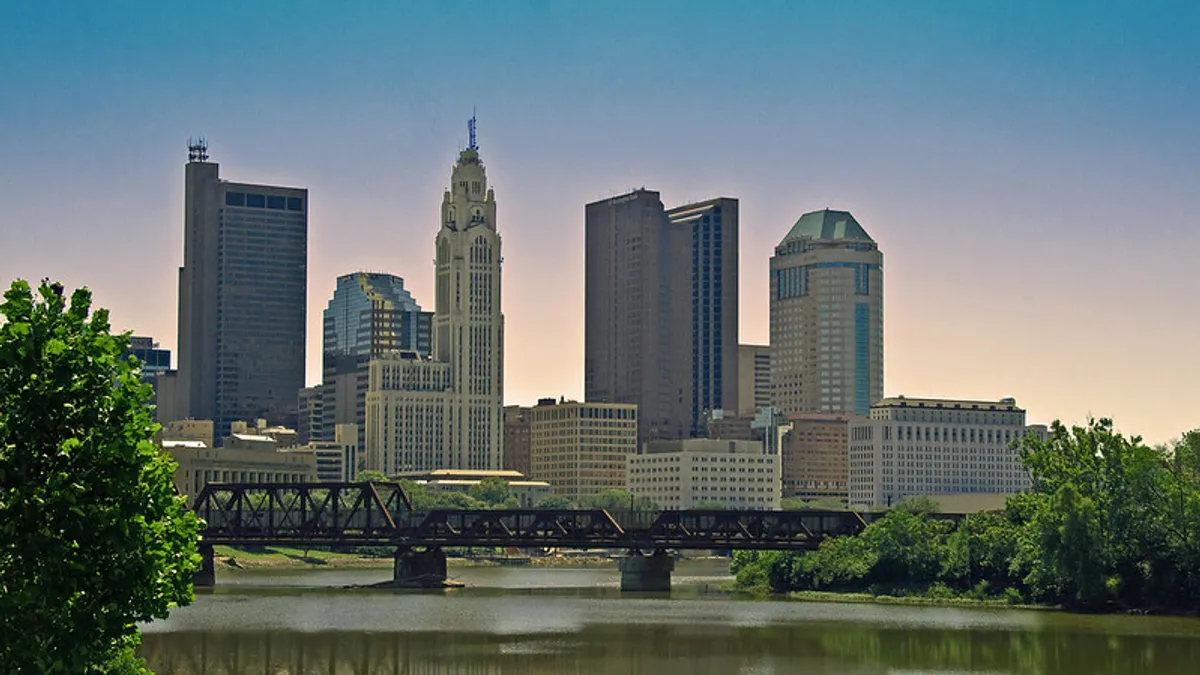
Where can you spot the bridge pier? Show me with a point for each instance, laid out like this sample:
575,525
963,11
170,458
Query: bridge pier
646,573
207,574
423,569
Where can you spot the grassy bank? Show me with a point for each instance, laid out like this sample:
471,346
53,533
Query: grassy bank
910,600
279,557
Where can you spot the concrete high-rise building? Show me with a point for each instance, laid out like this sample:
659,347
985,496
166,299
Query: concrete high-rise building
914,446
826,317
242,295
712,227
754,379
661,310
518,424
447,412
581,449
369,314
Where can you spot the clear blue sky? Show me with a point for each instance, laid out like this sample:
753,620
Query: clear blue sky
1029,168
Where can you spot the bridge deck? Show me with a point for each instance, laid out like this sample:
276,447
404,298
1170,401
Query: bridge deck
363,514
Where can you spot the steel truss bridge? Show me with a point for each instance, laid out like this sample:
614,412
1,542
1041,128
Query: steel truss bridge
381,514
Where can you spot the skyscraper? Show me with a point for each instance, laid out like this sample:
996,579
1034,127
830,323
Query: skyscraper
242,291
370,314
448,412
827,317
637,312
661,310
713,259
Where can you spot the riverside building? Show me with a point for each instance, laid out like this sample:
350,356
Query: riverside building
916,446
704,472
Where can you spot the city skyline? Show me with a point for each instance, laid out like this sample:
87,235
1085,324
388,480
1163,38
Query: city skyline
1029,180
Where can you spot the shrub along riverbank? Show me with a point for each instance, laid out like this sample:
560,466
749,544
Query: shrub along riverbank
1111,524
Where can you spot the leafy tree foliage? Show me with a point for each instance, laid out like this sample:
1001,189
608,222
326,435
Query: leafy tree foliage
93,537
1110,523
493,491
554,504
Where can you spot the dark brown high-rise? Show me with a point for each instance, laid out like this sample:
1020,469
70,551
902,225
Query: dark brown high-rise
661,310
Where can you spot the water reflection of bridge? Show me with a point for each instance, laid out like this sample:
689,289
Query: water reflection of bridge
381,514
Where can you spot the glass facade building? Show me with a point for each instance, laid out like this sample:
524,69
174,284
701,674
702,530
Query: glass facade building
370,314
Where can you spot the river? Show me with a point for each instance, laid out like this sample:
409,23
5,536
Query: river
556,621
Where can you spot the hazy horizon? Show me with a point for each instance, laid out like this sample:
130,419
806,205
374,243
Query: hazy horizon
1028,169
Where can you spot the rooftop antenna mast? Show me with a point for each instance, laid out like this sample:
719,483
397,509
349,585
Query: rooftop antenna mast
197,150
471,131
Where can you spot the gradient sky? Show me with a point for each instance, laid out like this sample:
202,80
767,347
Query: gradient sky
1029,169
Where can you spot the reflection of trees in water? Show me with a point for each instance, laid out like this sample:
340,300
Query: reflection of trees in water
700,649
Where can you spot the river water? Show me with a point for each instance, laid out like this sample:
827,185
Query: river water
548,621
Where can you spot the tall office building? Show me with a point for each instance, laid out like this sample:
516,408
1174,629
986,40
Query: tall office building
713,286
754,379
370,314
661,310
242,291
448,412
827,317
581,449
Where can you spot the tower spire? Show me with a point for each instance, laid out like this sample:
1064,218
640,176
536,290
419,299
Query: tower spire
471,131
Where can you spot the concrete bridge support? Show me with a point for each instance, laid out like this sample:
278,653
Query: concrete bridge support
646,573
419,568
207,574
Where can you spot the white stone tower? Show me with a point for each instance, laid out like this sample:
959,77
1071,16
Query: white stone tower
468,328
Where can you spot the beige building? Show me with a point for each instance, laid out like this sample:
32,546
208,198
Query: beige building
518,424
813,454
915,446
826,317
200,431
754,379
581,448
199,466
694,472
338,460
448,412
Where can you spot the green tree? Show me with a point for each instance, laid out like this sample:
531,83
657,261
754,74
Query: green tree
93,537
554,504
492,491
372,476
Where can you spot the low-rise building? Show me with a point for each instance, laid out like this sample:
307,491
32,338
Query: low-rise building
187,430
527,492
200,465
685,474
813,455
913,446
338,460
581,448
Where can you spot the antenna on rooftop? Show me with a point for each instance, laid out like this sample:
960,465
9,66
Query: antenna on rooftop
471,131
197,150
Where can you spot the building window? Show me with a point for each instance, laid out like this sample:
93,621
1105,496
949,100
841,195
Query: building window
235,199
256,201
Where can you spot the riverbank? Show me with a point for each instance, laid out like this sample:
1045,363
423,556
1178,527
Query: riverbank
278,557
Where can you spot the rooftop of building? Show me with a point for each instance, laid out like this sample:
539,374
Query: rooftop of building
468,482
1004,404
184,444
694,210
703,445
253,438
829,225
463,474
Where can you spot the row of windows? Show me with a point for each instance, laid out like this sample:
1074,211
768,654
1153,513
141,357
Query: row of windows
259,201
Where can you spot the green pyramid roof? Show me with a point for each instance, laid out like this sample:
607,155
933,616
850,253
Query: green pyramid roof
827,224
